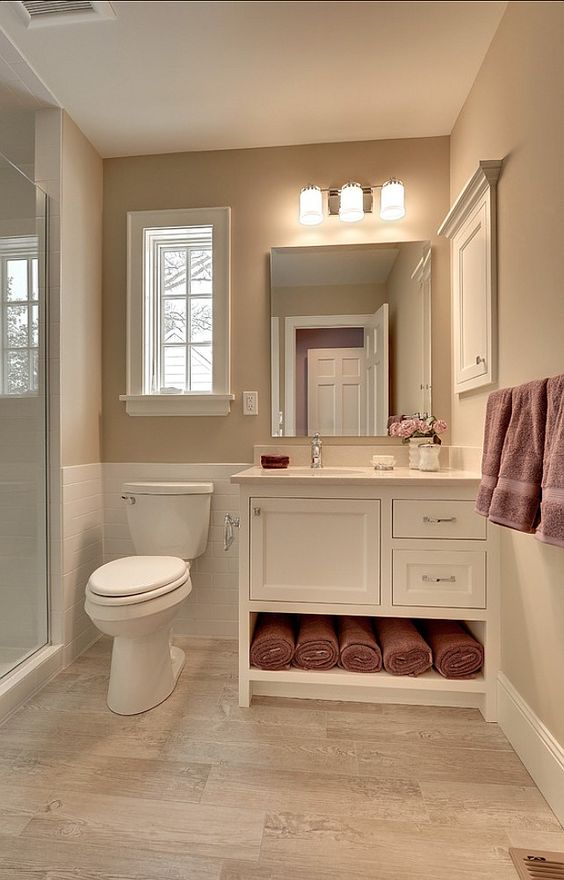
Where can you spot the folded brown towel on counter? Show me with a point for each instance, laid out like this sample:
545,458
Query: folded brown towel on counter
273,642
498,415
456,653
551,528
317,646
358,648
404,650
516,498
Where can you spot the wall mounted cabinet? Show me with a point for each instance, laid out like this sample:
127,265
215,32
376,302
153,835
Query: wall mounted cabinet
471,227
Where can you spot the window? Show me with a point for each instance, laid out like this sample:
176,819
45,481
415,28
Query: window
19,316
178,312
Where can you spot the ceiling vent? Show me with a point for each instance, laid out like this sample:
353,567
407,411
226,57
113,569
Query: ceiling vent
40,13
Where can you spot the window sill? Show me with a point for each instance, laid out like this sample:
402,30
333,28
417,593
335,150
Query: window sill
177,404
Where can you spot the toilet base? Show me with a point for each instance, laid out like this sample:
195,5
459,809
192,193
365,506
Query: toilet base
144,672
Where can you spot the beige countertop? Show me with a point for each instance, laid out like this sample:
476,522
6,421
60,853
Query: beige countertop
356,475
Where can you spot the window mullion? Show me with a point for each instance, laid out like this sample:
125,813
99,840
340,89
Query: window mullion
188,295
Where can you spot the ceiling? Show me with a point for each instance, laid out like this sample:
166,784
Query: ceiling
328,266
174,76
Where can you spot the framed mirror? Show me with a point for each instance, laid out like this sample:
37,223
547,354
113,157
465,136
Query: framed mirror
350,337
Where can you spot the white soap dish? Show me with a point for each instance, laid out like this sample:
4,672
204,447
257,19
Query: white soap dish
383,462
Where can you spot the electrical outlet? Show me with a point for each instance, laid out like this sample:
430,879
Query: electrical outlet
250,403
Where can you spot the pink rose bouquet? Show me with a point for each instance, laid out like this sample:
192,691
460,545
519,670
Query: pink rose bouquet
418,426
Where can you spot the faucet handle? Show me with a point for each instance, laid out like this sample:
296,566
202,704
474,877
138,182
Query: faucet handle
317,436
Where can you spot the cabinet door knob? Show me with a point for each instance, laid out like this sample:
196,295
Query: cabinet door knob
257,511
433,520
480,360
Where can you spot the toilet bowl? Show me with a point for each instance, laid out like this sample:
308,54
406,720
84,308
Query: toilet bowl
135,599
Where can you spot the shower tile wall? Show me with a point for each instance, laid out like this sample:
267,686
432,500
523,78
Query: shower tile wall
211,609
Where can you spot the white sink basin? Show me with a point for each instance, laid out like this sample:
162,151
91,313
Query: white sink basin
325,471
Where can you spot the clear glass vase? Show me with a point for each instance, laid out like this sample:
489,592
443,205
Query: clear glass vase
429,457
414,444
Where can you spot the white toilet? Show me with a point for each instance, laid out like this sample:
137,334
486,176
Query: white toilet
136,599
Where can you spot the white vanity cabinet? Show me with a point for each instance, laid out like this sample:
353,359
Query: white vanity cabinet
397,544
307,550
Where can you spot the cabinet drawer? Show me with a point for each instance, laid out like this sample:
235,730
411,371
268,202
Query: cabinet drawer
437,519
439,578
315,550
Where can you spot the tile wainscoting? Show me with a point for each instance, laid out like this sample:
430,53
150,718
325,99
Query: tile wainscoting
95,531
82,551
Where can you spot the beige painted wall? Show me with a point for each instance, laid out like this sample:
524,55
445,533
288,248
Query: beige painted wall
337,299
515,110
81,286
262,188
406,332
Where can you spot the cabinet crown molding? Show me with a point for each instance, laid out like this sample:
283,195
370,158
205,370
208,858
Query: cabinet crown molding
485,177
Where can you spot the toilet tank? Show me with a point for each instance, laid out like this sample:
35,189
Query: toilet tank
168,519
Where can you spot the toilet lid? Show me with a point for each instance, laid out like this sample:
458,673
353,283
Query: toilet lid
134,575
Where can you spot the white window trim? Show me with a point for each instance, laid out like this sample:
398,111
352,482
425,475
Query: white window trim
138,401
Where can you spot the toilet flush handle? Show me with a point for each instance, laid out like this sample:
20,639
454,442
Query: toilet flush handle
129,499
230,523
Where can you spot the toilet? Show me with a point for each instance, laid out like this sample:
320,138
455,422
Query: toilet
136,599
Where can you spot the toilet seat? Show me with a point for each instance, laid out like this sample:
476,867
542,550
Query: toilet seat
135,579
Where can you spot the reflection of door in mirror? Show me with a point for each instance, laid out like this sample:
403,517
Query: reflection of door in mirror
336,391
322,295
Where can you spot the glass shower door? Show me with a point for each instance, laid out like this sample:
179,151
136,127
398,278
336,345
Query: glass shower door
23,419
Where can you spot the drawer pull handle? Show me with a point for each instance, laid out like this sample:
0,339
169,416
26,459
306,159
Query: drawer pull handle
429,579
438,519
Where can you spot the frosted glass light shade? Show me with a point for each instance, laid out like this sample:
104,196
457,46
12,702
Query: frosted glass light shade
351,203
392,200
311,206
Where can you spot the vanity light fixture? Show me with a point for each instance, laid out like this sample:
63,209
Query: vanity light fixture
352,201
311,205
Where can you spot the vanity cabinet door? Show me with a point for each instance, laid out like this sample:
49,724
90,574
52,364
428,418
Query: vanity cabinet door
315,550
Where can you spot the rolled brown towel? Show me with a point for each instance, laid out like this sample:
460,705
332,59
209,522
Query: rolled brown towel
404,650
358,649
317,646
273,642
456,653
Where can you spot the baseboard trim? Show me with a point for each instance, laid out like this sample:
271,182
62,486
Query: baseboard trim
541,753
29,678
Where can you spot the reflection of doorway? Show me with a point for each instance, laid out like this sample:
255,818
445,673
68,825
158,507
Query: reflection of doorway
372,335
309,338
336,391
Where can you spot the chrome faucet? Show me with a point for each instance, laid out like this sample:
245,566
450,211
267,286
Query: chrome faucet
316,444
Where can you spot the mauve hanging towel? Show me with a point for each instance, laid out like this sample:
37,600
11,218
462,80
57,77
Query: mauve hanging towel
551,528
516,498
498,415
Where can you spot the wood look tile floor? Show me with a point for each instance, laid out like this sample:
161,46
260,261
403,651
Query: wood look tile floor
199,789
